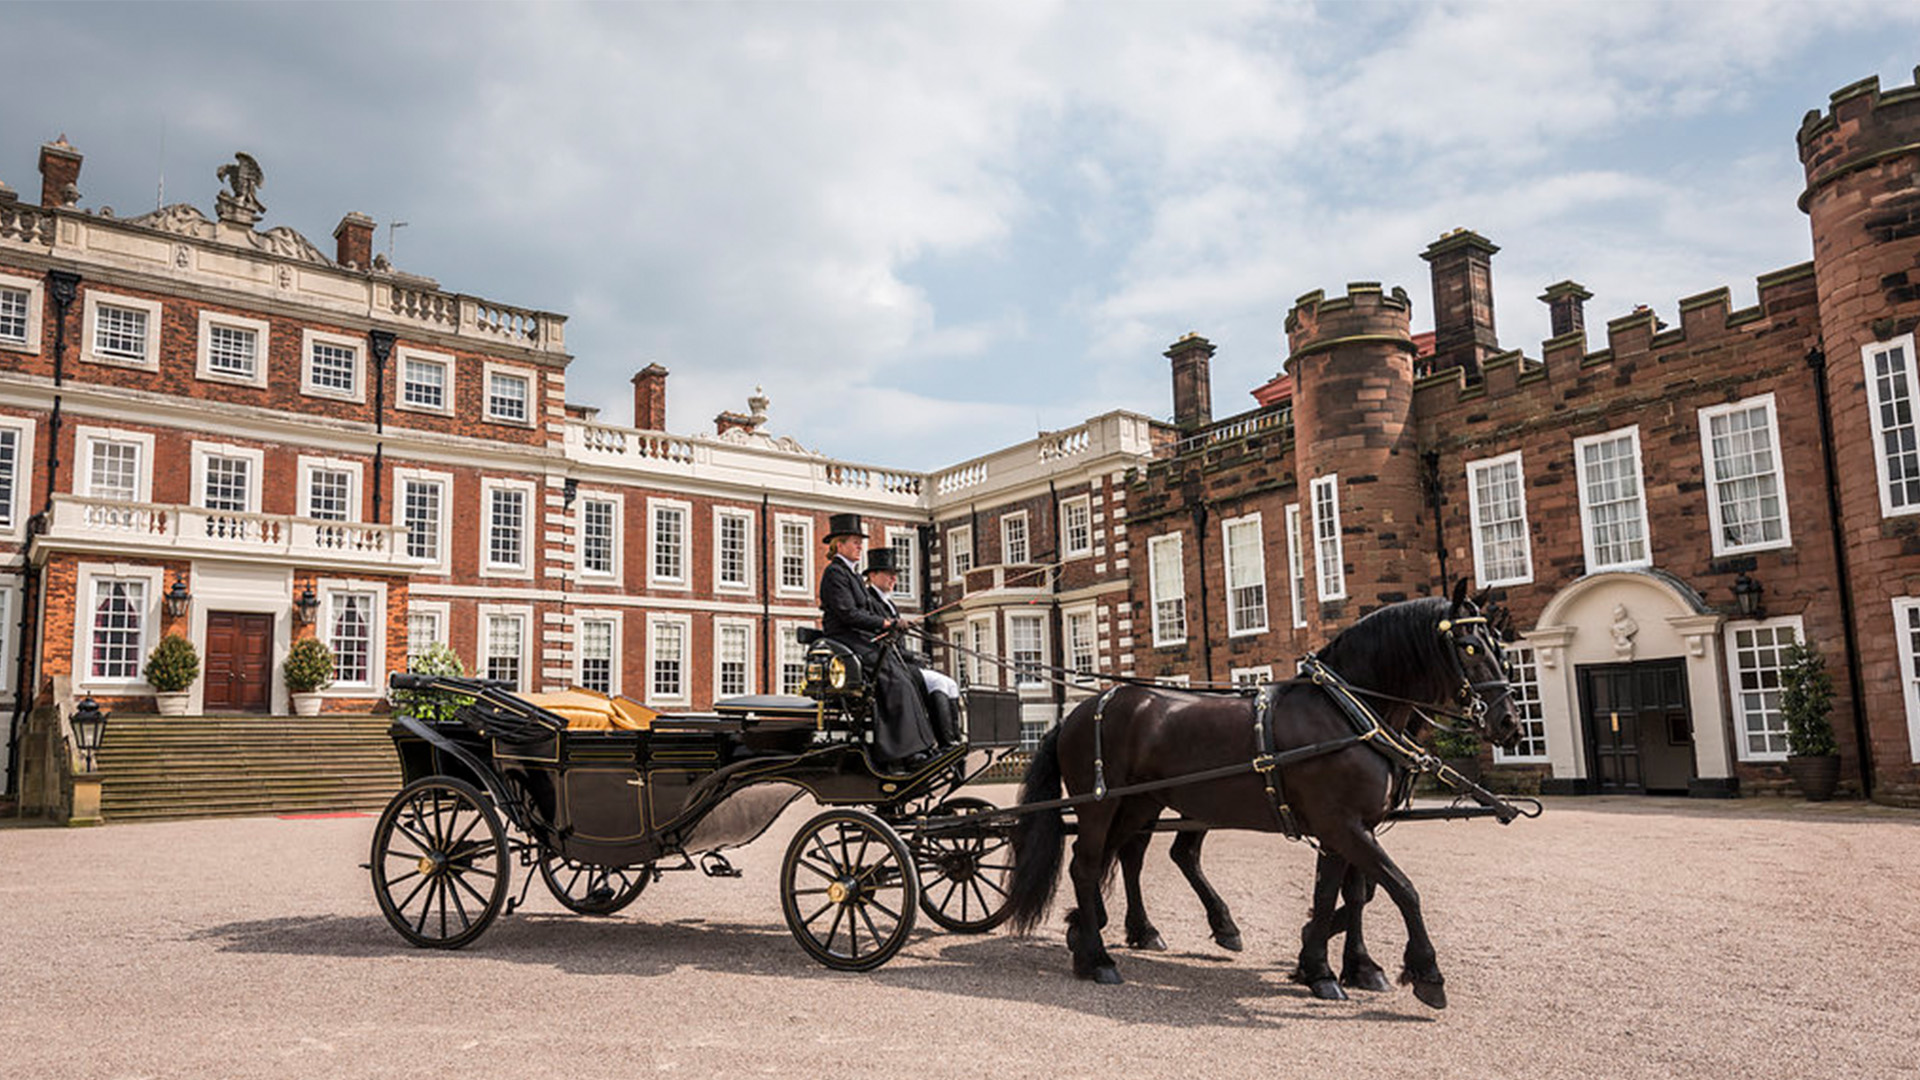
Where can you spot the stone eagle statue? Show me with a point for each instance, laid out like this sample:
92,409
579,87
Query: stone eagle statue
242,204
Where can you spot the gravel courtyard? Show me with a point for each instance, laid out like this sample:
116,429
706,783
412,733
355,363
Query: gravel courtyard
1611,938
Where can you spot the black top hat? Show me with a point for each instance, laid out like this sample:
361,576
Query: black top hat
839,525
883,559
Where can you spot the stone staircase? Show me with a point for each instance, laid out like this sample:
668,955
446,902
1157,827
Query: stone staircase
192,767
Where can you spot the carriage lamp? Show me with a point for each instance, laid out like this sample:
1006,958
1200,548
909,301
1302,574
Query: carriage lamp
837,673
305,607
89,727
1747,593
178,600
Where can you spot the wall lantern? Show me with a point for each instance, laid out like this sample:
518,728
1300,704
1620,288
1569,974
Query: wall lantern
1747,593
89,728
178,600
306,607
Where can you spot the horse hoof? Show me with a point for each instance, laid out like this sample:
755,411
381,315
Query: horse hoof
1431,992
1367,979
1107,975
1327,989
1151,942
1229,942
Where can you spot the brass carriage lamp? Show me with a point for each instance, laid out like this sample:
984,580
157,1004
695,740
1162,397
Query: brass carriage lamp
89,728
178,600
305,607
1747,593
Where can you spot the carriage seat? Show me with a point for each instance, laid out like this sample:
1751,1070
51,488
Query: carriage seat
588,710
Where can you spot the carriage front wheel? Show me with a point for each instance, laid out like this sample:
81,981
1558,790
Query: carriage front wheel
592,890
439,863
849,890
964,870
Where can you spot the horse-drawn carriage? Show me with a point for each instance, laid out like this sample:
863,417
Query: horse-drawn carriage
600,796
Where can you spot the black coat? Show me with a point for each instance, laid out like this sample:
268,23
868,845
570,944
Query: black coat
851,615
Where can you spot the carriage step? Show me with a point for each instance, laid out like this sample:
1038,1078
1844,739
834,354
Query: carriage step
714,864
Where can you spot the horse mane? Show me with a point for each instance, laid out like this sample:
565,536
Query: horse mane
1397,649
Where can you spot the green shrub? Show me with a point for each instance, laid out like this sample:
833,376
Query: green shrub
433,705
172,665
1455,744
1806,699
308,667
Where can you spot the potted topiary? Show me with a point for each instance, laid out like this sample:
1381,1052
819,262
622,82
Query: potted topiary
308,668
433,705
171,668
1806,699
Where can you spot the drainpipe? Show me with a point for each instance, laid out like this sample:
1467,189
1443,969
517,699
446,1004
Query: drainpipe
1817,364
1055,623
1200,544
380,343
767,637
1431,459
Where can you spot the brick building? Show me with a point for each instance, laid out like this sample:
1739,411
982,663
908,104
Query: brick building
195,401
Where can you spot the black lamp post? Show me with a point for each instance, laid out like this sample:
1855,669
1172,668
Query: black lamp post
1748,593
89,727
305,607
178,600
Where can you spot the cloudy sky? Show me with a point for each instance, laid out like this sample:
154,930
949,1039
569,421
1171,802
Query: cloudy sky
930,230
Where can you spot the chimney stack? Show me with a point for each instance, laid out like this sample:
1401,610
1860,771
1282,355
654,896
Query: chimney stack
1462,268
1192,382
353,241
59,174
650,398
1566,306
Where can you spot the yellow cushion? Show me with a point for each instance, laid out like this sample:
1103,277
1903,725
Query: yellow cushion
587,710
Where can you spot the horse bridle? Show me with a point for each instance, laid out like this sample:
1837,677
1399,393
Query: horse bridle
1475,701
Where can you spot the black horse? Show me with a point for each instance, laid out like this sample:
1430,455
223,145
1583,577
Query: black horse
1436,652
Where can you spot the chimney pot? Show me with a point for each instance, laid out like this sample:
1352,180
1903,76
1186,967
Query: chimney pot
1192,381
59,174
650,398
353,241
1462,269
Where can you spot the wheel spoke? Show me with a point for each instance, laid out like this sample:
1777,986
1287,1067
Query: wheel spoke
891,914
471,891
989,883
454,895
402,905
808,921
878,937
829,873
826,856
839,912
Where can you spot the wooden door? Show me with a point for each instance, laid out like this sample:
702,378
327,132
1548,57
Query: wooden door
1639,727
239,670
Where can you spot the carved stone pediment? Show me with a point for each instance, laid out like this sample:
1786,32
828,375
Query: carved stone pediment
180,219
782,443
185,219
281,240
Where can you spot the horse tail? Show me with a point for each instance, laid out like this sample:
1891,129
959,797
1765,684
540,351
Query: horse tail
1038,838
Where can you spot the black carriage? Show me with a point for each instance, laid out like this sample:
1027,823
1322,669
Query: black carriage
602,796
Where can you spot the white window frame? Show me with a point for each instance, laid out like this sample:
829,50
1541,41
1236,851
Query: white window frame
1594,565
13,524
655,580
984,630
262,341
308,339
1521,656
1160,592
1251,676
1715,514
86,437
781,522
612,617
1082,504
786,637
150,360
330,589
1091,661
36,300
1037,679
441,612
1868,352
85,575
531,531
1329,547
1227,568
444,361
959,542
1007,522
745,628
442,542
9,618
906,586
509,371
720,584
1906,609
529,644
1296,569
655,621
1734,692
618,537
1475,512
355,476
256,466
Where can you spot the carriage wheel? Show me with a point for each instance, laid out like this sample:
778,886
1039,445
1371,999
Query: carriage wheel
963,874
849,890
589,889
440,863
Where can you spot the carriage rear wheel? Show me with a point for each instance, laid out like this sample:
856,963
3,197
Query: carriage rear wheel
964,872
440,863
590,889
849,890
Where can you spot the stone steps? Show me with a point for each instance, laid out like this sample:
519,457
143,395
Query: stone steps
192,767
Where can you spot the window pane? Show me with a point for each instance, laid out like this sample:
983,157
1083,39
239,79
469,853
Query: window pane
227,487
507,530
425,384
596,655
9,470
352,638
120,333
733,550
1024,637
114,472
329,493
507,397
1746,481
232,350
1013,534
1610,484
903,548
1328,556
1169,588
421,514
596,536
1246,578
793,555
118,608
504,646
1076,526
732,659
669,645
1759,655
331,367
793,661
669,543
1499,522
423,633
13,316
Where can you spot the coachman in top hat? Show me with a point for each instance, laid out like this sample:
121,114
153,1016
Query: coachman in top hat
850,615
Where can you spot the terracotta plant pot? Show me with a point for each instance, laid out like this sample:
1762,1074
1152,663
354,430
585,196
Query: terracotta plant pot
1816,777
306,704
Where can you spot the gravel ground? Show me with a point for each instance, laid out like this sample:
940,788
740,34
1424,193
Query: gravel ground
1611,938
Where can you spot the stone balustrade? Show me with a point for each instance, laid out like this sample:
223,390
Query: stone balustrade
159,529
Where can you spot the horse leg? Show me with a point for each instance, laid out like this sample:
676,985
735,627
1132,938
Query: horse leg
1419,966
1312,968
1357,968
1086,869
1140,930
1186,855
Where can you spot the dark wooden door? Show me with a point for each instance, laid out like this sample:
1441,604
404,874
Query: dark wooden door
1639,728
239,674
